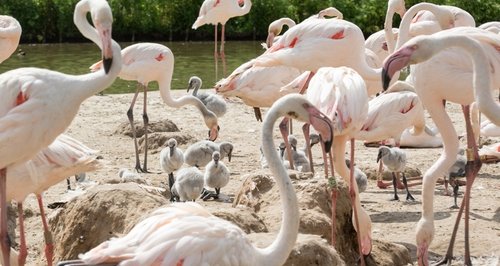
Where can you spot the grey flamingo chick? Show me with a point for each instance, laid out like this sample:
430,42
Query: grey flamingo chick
395,160
171,159
216,176
212,101
188,185
200,153
359,176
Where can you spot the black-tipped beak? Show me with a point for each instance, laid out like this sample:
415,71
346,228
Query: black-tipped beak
107,62
386,79
379,156
171,151
328,144
229,156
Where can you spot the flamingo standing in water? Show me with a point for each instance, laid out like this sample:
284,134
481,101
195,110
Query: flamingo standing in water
64,157
220,11
10,34
38,104
146,62
186,234
341,94
441,60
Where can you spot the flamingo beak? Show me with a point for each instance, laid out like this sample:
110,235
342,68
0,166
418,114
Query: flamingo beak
395,62
107,51
366,245
171,151
213,133
322,124
270,40
229,155
379,156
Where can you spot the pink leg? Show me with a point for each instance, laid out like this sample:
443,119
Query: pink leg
471,169
284,132
49,243
215,50
4,237
222,41
23,251
145,120
305,130
306,84
130,115
352,193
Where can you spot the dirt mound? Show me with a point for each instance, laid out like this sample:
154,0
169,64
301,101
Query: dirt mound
103,212
372,173
314,195
242,216
159,126
308,250
158,140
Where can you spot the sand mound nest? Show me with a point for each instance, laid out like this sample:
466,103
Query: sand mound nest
259,193
103,212
158,140
160,126
372,173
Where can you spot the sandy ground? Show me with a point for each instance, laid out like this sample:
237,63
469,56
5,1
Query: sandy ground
393,221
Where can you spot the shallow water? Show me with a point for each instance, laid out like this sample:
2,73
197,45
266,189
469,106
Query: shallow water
192,58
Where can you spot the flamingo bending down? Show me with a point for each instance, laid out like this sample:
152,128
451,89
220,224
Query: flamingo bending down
146,62
341,94
39,104
10,34
441,54
213,102
64,157
389,114
186,234
220,11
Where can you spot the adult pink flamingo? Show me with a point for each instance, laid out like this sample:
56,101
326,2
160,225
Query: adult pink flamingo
62,158
146,62
441,60
493,26
38,104
186,234
389,114
220,11
340,93
10,34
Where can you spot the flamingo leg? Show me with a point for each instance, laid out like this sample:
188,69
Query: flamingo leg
305,130
471,169
23,251
352,193
49,242
4,237
306,84
145,120
130,115
396,197
215,50
284,132
408,194
222,41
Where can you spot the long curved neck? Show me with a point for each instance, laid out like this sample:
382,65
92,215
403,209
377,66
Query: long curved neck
164,84
481,78
279,250
245,8
83,25
195,90
404,27
389,35
285,21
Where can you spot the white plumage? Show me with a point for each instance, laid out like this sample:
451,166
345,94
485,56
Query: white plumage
200,153
212,101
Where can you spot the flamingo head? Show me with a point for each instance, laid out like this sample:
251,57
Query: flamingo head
365,231
172,143
103,19
216,158
213,132
194,82
425,233
398,6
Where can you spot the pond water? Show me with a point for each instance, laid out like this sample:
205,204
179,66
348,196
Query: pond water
193,58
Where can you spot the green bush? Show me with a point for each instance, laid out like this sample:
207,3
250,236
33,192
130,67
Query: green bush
140,20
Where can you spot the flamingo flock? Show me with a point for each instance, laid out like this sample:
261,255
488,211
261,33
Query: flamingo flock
321,72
